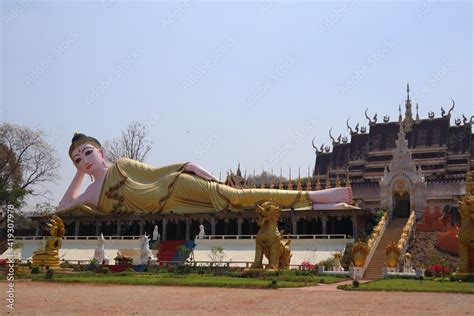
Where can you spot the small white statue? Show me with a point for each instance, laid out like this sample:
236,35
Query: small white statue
337,262
202,232
99,252
408,264
145,252
156,234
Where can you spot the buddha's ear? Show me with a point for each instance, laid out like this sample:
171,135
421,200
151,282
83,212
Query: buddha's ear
102,152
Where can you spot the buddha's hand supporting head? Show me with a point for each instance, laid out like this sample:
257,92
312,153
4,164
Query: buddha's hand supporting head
87,154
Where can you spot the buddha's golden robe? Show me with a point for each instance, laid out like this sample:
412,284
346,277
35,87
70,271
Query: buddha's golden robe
132,186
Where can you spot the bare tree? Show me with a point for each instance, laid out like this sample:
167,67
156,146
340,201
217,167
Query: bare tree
26,162
133,144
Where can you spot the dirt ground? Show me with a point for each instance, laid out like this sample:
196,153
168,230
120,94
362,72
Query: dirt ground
41,298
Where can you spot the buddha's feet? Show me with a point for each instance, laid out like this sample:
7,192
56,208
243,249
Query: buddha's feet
334,195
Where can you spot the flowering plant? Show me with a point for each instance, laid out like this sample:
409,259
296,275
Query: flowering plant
306,265
439,270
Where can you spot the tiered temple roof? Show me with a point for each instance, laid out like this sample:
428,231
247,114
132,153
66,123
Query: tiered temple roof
441,150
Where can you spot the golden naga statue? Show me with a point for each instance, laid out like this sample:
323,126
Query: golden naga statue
466,231
132,186
269,241
49,255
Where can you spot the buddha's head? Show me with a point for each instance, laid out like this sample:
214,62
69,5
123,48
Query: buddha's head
87,154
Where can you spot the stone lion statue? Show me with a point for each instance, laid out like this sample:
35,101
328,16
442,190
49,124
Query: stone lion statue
466,235
269,241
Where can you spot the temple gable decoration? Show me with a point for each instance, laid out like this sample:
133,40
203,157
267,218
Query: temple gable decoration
402,181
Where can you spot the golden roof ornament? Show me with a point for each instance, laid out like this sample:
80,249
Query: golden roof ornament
348,180
299,186
338,182
318,183
262,180
280,181
308,182
289,184
328,181
272,185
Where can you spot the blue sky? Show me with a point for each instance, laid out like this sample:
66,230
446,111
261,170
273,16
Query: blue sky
219,83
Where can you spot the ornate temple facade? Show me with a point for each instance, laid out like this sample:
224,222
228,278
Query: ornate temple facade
411,163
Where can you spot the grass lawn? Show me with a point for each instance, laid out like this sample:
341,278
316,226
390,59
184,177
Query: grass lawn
407,285
282,281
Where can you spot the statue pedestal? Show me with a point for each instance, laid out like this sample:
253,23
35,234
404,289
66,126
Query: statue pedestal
387,270
358,273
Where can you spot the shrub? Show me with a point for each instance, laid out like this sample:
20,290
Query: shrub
93,265
273,284
105,270
355,283
49,274
35,270
428,273
439,270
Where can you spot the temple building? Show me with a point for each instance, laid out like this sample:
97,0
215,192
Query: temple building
408,164
412,163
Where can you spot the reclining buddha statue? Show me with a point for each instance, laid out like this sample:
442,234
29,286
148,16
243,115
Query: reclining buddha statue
132,186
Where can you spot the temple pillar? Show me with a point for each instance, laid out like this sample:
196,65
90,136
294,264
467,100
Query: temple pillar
324,222
119,225
213,226
163,229
239,226
294,221
37,229
141,224
76,227
98,225
188,228
354,225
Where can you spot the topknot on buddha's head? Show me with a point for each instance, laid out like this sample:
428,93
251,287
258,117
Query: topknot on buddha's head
79,139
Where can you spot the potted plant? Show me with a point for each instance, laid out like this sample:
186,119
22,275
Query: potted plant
360,250
393,254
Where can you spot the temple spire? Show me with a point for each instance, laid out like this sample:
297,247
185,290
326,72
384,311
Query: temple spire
308,182
318,183
289,184
238,172
299,186
408,121
417,115
263,180
338,182
280,181
272,185
328,181
348,180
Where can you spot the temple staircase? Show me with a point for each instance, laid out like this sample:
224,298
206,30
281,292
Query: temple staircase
393,232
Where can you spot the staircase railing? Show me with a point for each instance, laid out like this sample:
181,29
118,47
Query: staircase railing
374,240
407,233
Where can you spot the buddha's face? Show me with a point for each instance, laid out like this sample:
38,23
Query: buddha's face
88,158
